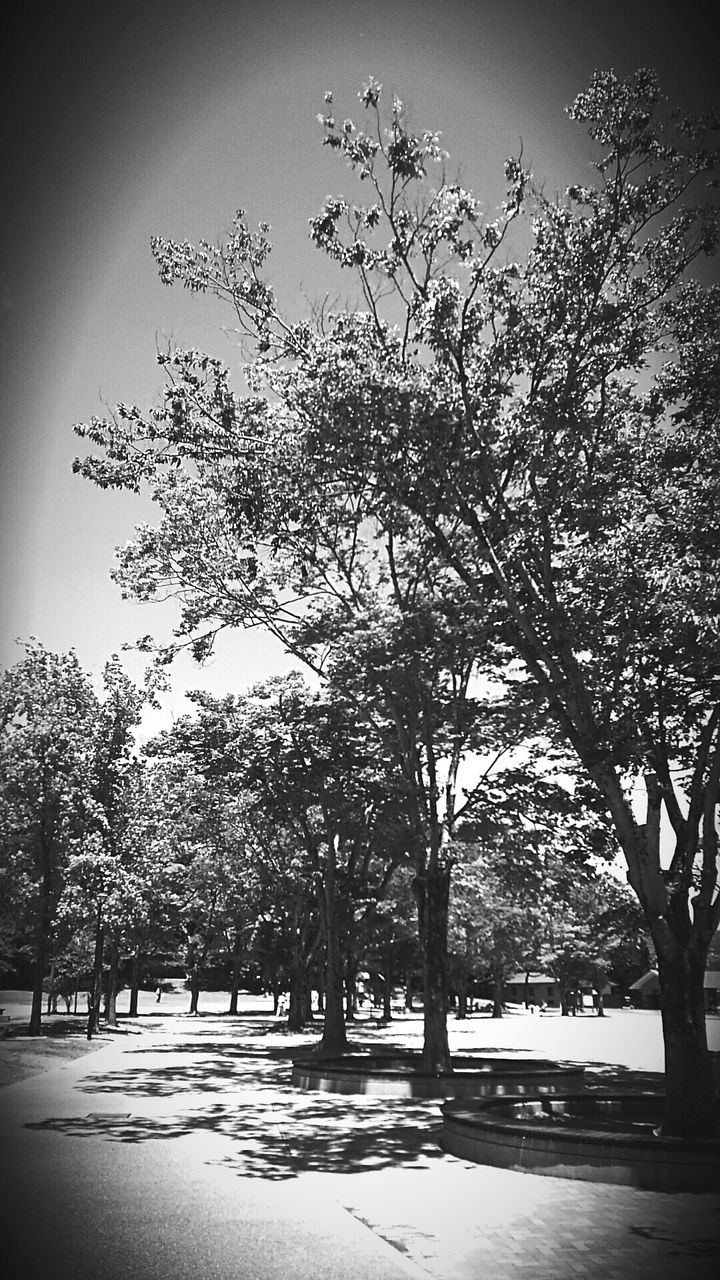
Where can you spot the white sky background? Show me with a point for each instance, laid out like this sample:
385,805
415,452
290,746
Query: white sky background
126,120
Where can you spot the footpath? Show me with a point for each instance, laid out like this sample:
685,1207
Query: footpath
179,1151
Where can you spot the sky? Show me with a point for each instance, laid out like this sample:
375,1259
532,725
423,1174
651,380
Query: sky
122,121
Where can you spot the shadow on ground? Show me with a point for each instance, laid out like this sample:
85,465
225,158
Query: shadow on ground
271,1130
236,1087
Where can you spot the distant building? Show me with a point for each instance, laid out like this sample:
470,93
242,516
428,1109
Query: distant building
645,993
542,988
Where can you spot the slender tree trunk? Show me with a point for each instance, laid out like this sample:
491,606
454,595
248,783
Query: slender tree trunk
350,987
526,989
95,993
51,989
194,980
41,952
112,986
387,986
432,892
409,992
235,981
498,992
462,1000
135,983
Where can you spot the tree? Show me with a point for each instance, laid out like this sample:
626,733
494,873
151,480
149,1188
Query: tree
515,881
281,525
539,426
558,440
306,763
113,792
48,712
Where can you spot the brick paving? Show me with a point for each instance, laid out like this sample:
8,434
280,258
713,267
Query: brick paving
470,1222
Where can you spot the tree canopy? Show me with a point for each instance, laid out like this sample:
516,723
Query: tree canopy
509,450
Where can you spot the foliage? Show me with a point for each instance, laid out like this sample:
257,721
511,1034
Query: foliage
510,451
47,714
558,443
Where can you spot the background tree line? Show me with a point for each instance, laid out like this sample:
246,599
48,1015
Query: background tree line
263,839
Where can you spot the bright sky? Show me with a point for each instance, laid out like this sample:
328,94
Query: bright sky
126,120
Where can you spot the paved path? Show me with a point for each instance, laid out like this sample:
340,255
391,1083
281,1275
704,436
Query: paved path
181,1153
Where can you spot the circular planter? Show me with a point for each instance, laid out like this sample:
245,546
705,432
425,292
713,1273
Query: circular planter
595,1137
399,1076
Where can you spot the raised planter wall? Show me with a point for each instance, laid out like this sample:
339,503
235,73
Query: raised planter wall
399,1077
607,1138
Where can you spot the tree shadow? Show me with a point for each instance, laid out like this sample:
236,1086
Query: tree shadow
609,1076
271,1130
238,1088
278,1138
214,1069
679,1246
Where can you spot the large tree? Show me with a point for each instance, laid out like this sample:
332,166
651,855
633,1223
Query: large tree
559,441
541,423
272,516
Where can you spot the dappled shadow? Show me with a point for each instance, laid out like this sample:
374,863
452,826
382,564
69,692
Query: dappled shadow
212,1072
275,1138
606,1075
230,1090
54,1027
238,1090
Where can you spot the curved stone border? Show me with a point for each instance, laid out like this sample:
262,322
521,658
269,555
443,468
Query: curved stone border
396,1076
594,1137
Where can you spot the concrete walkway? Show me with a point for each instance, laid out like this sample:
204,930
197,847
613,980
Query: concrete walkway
180,1151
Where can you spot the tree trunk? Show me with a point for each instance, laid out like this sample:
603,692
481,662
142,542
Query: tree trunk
350,988
334,1037
95,993
526,989
51,990
409,992
690,1107
387,986
235,982
297,1010
681,944
194,980
41,951
462,993
432,892
498,993
112,986
135,983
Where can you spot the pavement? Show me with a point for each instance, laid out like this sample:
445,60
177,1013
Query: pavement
178,1150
